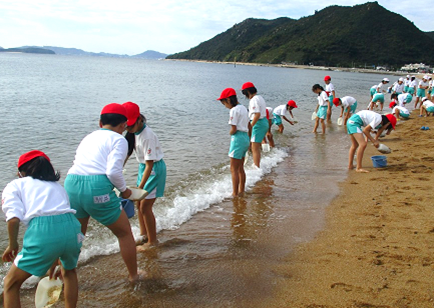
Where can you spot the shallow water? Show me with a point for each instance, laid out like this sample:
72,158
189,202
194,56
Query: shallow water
56,101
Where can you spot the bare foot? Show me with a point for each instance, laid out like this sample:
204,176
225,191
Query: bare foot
142,239
146,246
351,167
314,132
362,170
141,275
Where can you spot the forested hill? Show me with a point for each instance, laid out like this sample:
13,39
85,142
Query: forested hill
366,34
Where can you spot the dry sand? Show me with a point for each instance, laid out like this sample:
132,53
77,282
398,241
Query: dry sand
378,247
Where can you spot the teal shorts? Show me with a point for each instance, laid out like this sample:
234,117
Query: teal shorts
47,239
239,145
404,115
411,90
373,91
259,130
277,120
420,92
354,125
405,88
93,195
430,109
353,108
331,97
156,182
398,93
322,112
379,97
408,99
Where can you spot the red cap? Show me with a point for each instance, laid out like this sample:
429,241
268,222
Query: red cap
327,78
336,101
392,120
228,92
291,103
26,157
247,85
114,108
392,104
133,112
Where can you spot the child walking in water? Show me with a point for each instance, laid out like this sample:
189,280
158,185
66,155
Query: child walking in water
152,170
258,120
330,89
239,121
370,120
53,233
97,169
322,108
348,104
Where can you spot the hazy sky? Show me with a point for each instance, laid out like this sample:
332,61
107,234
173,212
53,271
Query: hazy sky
169,26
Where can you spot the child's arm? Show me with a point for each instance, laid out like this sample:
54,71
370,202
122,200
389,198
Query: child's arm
233,130
367,132
288,120
347,115
148,169
290,112
255,118
12,250
342,112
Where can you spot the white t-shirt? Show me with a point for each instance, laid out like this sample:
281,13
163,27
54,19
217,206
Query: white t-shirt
348,101
239,117
257,105
370,118
269,113
147,146
323,99
398,88
380,87
406,82
423,84
413,83
26,198
428,103
402,99
401,110
281,110
102,152
330,88
431,83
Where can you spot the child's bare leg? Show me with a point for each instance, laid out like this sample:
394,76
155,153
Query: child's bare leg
71,287
281,128
143,233
84,222
416,102
354,146
323,126
149,219
122,230
270,141
397,113
381,106
316,125
256,153
235,177
360,151
12,284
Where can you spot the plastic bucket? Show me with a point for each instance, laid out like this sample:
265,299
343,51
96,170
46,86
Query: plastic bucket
128,207
379,161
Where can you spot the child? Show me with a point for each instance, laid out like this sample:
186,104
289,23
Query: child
377,99
421,90
322,109
330,89
401,99
427,107
412,85
269,136
239,122
282,111
430,88
398,111
398,87
53,233
97,169
152,169
349,106
258,120
379,88
406,83
370,120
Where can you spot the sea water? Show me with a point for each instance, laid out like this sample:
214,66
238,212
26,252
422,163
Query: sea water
51,102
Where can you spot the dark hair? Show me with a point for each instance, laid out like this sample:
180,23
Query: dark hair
233,100
384,121
413,78
112,119
250,91
131,139
41,169
316,87
394,95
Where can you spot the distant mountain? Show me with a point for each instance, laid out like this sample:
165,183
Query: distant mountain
1,48
335,36
151,54
28,50
430,34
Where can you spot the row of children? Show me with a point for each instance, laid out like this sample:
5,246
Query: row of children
57,217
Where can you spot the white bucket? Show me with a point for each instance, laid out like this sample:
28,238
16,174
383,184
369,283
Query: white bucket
314,115
382,148
47,292
265,147
340,121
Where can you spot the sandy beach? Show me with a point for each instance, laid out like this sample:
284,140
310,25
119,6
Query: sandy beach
377,248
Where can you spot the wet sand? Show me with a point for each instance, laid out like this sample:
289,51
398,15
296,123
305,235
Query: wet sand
378,247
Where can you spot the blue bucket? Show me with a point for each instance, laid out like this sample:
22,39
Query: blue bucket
379,161
128,207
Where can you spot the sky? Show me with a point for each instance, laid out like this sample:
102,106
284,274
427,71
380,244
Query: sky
168,26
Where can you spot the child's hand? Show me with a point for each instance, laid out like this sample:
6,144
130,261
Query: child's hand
126,193
10,253
376,144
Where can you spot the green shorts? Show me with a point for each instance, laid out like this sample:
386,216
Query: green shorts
373,91
405,88
420,92
411,90
408,98
322,112
259,130
354,125
47,239
331,97
239,145
430,109
277,119
156,182
379,97
93,195
353,108
404,115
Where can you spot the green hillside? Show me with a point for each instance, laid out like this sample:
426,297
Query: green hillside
335,36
